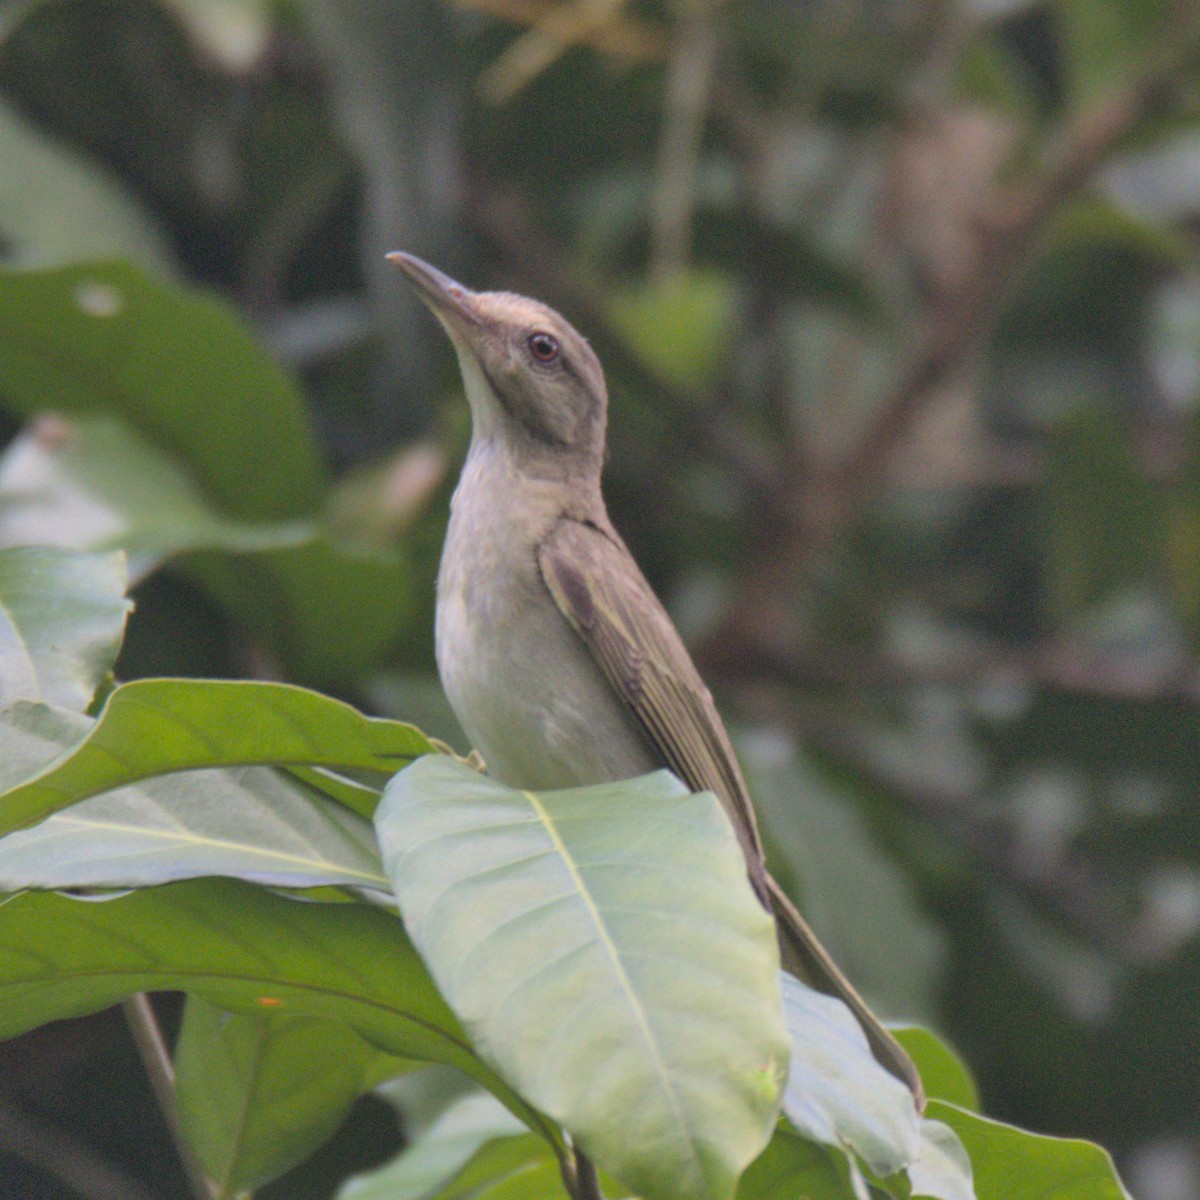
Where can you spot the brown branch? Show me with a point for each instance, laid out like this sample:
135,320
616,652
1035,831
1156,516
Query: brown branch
953,336
1059,666
826,500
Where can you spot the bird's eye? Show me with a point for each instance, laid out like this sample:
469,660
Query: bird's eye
544,347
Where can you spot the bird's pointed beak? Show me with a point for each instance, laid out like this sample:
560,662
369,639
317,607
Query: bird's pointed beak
453,304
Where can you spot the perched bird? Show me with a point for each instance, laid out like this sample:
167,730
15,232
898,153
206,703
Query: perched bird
558,659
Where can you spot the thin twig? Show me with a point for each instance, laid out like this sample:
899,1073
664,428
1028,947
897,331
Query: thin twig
626,37
543,44
156,1059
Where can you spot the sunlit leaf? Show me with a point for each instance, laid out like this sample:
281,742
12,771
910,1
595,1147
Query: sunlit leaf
681,327
607,954
441,1151
254,823
94,483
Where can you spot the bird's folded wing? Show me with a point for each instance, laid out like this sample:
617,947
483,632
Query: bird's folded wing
602,593
599,588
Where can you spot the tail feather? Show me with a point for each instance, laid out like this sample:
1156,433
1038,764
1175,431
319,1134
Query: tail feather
804,955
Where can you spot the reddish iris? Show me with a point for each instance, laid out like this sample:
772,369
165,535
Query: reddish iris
543,347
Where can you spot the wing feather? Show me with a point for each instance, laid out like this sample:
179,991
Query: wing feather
602,593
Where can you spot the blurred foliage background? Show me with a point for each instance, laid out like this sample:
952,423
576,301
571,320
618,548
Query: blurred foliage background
900,307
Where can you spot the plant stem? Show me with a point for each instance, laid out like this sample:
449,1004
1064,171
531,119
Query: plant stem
156,1058
587,1181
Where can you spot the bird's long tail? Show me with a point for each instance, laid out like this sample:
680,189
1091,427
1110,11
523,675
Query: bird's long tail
804,955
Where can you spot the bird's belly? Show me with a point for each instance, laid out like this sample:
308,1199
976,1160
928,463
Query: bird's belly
529,695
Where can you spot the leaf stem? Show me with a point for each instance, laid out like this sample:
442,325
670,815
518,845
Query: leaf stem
156,1058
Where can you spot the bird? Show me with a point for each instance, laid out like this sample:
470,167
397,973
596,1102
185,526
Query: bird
561,664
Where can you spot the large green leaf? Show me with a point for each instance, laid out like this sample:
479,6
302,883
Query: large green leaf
155,726
256,1094
1013,1164
255,823
606,952
180,367
32,736
242,949
62,618
512,1168
837,1091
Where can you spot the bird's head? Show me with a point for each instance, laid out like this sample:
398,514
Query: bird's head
531,379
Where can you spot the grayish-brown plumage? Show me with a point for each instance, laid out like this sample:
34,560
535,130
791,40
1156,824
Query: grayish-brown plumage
560,662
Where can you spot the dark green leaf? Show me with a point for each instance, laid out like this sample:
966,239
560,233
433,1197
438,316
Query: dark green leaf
793,1167
257,1094
62,618
240,948
606,952
178,366
1103,516
46,185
